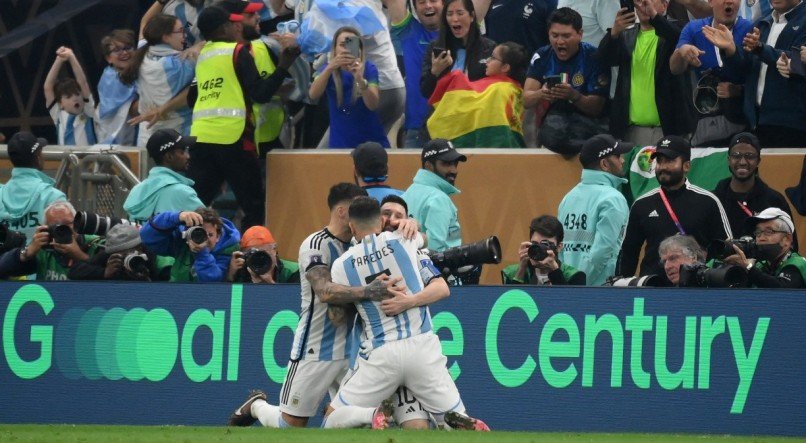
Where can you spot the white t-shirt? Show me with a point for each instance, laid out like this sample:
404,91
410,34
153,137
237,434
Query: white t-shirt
83,129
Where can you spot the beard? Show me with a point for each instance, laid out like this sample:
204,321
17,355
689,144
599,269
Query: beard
450,178
250,33
670,178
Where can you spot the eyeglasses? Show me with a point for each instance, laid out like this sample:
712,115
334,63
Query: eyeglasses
749,156
767,232
178,31
119,50
492,57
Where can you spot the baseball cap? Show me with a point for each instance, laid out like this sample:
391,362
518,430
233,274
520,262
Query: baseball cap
164,140
213,17
746,138
237,7
673,146
256,235
441,149
770,214
122,237
600,146
370,159
23,145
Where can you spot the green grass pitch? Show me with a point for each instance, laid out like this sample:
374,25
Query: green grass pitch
199,434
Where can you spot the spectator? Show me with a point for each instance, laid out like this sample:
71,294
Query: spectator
676,206
774,106
594,213
776,264
165,189
160,74
168,233
124,258
649,101
229,82
246,265
678,250
744,194
414,31
117,102
545,231
429,196
523,22
459,47
54,248
754,11
187,11
25,196
371,170
70,102
596,15
718,95
351,84
578,90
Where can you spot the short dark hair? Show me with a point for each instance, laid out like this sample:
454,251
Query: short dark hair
364,210
547,226
566,16
392,198
66,88
515,56
210,215
343,192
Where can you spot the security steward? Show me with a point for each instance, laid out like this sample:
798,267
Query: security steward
228,83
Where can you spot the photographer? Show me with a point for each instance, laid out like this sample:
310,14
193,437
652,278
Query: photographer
257,260
54,248
676,251
776,265
125,258
182,235
539,264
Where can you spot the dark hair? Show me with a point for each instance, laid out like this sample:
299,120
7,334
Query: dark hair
566,16
453,44
118,35
547,226
343,192
392,198
157,27
209,215
66,87
515,56
364,209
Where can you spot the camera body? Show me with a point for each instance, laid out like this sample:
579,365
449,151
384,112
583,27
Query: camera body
10,239
538,251
724,248
196,234
698,275
136,263
61,234
258,260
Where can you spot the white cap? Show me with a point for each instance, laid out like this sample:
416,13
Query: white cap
772,214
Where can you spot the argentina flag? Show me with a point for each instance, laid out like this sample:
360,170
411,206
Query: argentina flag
326,16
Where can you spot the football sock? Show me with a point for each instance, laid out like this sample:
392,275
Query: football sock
268,415
350,417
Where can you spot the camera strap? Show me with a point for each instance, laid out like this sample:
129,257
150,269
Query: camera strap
744,207
671,212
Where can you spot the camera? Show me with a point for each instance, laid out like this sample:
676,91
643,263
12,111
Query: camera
94,224
484,251
697,275
651,280
196,234
61,234
136,263
724,248
538,251
10,239
257,260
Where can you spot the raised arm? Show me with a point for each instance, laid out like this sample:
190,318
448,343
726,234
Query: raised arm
78,71
155,9
50,79
398,10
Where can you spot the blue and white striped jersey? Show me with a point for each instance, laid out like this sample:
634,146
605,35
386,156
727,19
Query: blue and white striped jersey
316,338
387,253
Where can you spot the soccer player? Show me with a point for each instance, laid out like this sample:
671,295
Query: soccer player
400,348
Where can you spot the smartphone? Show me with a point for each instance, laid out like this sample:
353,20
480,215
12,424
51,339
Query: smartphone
352,45
554,80
629,4
437,51
796,64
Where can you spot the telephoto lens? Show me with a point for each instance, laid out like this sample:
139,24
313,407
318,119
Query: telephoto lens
61,234
94,224
538,251
196,234
136,263
257,260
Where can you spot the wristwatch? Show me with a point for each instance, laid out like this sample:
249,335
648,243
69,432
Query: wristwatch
23,254
362,85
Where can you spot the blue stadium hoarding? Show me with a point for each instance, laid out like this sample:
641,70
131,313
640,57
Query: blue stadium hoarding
549,359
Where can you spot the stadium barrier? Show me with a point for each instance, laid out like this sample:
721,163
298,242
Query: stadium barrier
548,359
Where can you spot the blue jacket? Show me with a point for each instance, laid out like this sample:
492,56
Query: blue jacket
784,100
594,215
163,236
430,204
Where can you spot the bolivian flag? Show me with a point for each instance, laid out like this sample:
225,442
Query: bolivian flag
485,113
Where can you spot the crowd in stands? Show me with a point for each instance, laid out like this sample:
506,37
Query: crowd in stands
218,82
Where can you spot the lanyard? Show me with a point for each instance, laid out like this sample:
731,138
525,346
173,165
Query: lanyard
743,205
671,212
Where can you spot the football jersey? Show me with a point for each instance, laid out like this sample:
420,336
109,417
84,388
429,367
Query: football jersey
316,337
387,253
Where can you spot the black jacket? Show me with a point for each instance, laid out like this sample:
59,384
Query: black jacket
758,199
672,92
476,65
